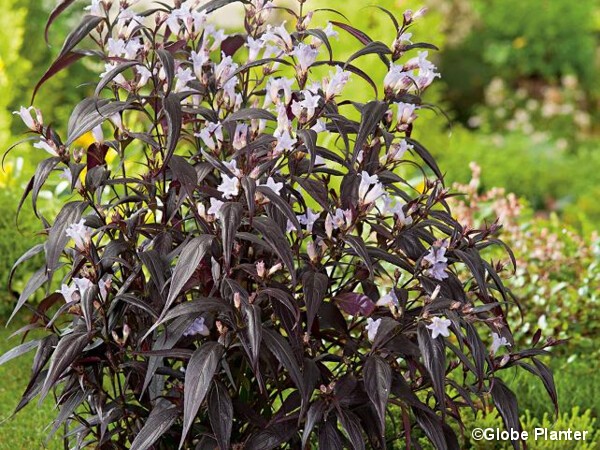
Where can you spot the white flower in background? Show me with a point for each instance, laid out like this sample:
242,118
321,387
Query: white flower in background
127,21
218,36
211,135
397,150
48,146
254,48
308,105
183,77
498,342
280,37
83,284
372,327
98,134
284,142
96,8
240,136
308,219
119,78
394,207
397,80
275,86
341,219
132,48
80,233
27,118
225,69
335,82
228,88
405,114
275,187
215,206
319,127
115,47
144,74
542,323
229,187
233,168
70,293
197,327
306,56
104,286
329,31
390,299
439,327
199,59
437,261
369,189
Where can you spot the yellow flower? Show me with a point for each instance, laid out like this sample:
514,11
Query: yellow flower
519,42
85,140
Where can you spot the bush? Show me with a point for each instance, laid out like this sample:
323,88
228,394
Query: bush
247,267
558,271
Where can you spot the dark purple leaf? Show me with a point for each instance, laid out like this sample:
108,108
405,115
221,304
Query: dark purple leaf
90,113
230,216
434,359
355,304
198,378
314,286
162,417
220,413
506,402
378,382
273,235
351,424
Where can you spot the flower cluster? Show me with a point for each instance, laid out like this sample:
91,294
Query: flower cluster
244,233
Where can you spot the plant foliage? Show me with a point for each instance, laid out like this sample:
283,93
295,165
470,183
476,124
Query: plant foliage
242,263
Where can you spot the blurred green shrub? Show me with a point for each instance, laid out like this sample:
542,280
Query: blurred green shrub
514,39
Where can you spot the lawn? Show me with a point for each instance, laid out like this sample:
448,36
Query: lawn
27,430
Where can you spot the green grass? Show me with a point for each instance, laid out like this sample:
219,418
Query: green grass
27,430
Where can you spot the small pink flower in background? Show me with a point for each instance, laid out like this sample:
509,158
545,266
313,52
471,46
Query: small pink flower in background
81,234
439,327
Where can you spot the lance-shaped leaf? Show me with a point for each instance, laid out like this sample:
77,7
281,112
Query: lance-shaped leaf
213,5
250,113
284,354
189,259
351,425
33,284
277,241
253,333
220,414
198,377
89,113
168,63
280,203
314,286
57,11
69,348
313,417
309,137
161,418
359,247
172,110
372,47
378,383
434,359
506,402
371,115
230,216
18,351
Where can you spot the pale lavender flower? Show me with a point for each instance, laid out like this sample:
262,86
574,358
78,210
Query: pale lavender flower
369,189
405,114
390,299
439,327
229,187
275,187
308,105
199,59
437,261
83,284
280,36
215,206
197,327
336,81
254,48
27,118
96,8
70,293
372,327
144,74
80,233
498,342
115,47
225,69
284,142
183,77
306,55
48,146
275,86
211,135
240,136
308,219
